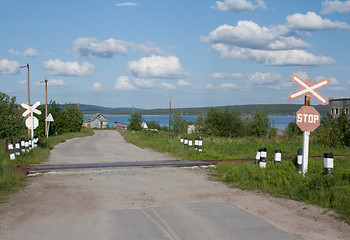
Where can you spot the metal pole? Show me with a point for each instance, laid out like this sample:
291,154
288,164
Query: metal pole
32,130
27,66
45,81
305,151
306,142
46,129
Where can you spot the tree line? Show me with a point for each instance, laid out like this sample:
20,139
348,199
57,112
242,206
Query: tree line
68,119
222,122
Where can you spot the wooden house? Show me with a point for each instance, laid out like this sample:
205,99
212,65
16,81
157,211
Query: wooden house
96,121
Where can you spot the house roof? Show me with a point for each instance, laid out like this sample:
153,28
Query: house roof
99,116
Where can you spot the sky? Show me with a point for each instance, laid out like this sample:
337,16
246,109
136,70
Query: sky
202,53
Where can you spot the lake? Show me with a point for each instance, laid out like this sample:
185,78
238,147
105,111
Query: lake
280,122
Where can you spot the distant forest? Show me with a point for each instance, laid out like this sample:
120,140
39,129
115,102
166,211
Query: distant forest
270,109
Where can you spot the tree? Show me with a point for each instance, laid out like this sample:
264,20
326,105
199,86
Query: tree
259,123
12,123
293,130
224,123
69,119
135,122
178,123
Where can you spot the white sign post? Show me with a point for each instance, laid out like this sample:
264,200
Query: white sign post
49,119
31,122
308,119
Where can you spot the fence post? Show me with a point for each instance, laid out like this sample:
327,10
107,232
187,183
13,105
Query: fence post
190,142
200,144
278,156
11,150
328,163
257,156
300,159
196,143
263,155
18,148
23,145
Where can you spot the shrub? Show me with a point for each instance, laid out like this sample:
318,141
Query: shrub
135,122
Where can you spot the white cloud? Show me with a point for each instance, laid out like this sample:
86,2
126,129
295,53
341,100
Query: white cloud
90,47
96,87
248,34
157,67
123,83
333,84
145,83
9,67
209,86
269,80
311,22
238,5
303,75
30,52
126,4
52,83
272,58
148,47
228,86
22,82
221,75
168,86
335,6
58,67
183,83
14,52
57,83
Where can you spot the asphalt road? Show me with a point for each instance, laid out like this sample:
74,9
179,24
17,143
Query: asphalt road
126,203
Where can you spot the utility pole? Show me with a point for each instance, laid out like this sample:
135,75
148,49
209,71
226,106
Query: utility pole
27,66
45,81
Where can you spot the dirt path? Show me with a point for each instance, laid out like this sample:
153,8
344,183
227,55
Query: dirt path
86,204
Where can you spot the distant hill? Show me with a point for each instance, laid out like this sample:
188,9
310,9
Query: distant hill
270,109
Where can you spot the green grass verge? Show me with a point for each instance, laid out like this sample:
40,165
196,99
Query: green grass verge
282,180
11,181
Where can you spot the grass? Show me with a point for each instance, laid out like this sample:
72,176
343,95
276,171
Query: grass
11,181
281,180
222,148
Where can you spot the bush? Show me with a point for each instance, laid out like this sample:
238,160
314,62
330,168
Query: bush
178,123
135,122
223,123
259,124
12,123
66,120
333,132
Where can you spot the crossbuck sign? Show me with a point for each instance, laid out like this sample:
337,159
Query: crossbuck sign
32,122
309,88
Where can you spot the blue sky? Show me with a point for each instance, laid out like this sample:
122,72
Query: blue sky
204,53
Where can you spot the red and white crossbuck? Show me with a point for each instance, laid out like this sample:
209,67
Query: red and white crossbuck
309,88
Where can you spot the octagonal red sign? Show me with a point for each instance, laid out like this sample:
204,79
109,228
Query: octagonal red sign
307,118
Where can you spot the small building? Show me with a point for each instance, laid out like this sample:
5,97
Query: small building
144,125
336,104
120,125
96,121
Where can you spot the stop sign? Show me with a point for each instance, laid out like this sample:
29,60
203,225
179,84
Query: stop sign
32,122
307,118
